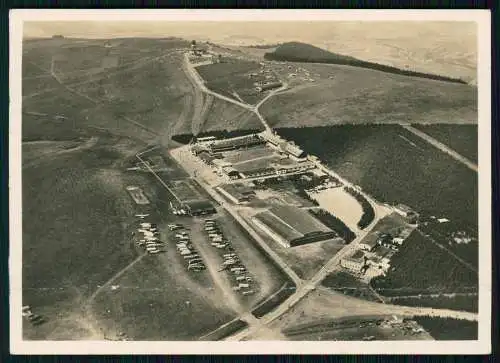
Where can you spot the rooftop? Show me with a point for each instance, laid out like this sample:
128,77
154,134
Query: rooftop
299,219
358,255
370,240
404,208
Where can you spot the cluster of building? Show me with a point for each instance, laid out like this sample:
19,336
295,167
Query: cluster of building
265,79
201,55
376,251
291,226
243,282
284,157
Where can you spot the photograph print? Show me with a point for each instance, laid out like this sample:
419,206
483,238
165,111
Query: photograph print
188,179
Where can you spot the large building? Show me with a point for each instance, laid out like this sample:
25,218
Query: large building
292,226
199,207
282,145
354,263
370,242
236,143
236,193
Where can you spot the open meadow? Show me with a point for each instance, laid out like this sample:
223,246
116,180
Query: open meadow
232,78
75,215
353,95
144,96
224,115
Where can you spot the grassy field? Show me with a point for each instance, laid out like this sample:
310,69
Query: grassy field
347,284
363,96
421,267
224,115
75,215
158,303
443,188
230,77
449,329
461,138
145,97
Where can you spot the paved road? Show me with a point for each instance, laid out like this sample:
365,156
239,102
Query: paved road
441,147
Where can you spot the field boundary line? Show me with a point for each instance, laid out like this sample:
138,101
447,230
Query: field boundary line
441,146
114,277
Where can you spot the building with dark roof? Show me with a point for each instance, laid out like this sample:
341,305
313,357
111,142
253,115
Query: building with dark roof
268,86
354,263
292,226
256,173
236,143
199,207
236,193
370,242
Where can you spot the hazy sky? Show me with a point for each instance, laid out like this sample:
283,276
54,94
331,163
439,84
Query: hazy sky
447,45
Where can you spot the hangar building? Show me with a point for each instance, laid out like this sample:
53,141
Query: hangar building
291,226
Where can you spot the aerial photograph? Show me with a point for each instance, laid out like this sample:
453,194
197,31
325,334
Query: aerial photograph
249,181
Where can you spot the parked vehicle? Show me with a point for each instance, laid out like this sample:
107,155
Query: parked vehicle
248,292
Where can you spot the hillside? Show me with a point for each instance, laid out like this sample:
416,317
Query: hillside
301,52
351,95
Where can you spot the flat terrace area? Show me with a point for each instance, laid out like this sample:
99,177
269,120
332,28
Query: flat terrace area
256,164
257,152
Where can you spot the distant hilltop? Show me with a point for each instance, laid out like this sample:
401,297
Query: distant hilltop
306,53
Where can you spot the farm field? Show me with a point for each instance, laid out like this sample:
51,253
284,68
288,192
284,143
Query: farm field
461,138
362,96
396,157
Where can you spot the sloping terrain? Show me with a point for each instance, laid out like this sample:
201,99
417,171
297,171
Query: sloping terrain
363,96
301,52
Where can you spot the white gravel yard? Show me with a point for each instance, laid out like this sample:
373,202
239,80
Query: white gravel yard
341,204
